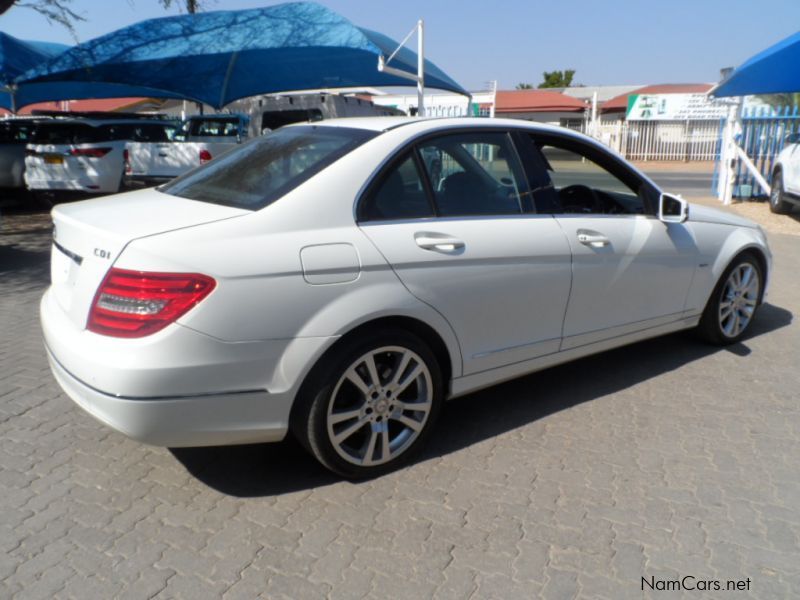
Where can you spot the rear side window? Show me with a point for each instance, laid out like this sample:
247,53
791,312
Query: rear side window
399,195
259,172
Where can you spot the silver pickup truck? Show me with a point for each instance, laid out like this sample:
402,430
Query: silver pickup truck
200,139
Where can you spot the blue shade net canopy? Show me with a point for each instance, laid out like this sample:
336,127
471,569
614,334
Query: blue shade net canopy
219,57
18,56
775,70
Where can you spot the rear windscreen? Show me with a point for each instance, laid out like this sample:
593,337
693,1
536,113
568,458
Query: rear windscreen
214,127
259,172
84,133
153,132
16,132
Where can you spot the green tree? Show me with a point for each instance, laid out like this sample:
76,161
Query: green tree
781,100
524,86
557,79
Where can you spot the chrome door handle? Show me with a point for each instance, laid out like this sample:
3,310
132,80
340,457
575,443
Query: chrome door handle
429,242
593,239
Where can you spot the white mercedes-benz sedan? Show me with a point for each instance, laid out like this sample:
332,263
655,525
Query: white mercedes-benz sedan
341,279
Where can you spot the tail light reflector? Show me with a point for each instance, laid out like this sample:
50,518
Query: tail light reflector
126,160
132,304
205,156
90,152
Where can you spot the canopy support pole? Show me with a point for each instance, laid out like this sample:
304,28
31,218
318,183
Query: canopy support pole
420,68
731,152
419,78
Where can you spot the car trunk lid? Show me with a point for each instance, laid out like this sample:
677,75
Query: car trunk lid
89,236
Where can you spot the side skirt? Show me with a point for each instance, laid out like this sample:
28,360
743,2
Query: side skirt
471,383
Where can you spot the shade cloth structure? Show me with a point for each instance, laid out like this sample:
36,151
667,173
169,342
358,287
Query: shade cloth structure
222,56
772,71
18,56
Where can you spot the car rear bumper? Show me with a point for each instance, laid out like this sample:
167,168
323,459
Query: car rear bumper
75,185
216,419
179,387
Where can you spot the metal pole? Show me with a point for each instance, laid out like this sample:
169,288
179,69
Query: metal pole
494,98
420,68
594,115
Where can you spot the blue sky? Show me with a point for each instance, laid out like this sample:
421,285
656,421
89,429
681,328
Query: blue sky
512,41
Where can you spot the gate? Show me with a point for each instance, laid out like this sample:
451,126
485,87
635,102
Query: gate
762,137
658,140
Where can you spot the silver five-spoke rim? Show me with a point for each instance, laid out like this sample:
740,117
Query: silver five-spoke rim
379,406
738,301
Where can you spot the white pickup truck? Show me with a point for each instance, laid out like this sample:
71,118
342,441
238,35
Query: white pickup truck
785,193
201,138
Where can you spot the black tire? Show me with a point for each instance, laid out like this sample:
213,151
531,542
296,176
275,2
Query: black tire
43,200
776,202
328,385
711,327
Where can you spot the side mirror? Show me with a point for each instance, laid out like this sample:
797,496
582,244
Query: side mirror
672,209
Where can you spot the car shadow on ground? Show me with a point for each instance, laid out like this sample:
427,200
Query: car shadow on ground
24,269
273,469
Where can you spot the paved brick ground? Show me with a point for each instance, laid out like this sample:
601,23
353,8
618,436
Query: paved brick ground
663,459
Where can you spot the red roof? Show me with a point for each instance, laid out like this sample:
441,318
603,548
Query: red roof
105,105
621,102
522,101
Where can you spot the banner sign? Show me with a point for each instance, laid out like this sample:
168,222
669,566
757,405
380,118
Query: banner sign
673,107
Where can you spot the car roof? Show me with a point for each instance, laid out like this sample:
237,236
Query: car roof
432,123
100,122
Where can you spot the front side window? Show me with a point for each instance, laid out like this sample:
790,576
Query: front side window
582,183
474,174
262,170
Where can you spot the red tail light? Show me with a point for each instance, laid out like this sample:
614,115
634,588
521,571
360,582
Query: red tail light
133,304
90,152
205,156
126,160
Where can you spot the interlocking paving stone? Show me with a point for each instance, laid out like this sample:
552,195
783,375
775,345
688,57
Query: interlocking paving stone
664,459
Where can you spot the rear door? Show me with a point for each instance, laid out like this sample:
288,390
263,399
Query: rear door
630,271
153,152
449,215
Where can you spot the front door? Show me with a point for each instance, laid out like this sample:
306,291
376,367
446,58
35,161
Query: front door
630,271
449,217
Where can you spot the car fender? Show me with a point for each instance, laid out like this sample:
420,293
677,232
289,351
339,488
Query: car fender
358,306
722,244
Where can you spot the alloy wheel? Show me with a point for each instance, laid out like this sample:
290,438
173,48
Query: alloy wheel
739,299
379,406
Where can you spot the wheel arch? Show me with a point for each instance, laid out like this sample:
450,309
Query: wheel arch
449,363
735,250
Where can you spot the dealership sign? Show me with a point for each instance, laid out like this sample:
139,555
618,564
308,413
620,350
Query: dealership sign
673,107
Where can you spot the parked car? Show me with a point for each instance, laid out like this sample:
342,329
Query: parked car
84,155
315,281
785,192
14,135
200,139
